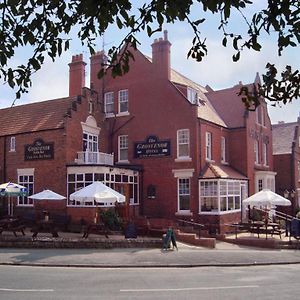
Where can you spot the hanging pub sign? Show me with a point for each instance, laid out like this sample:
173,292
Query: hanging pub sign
39,150
152,147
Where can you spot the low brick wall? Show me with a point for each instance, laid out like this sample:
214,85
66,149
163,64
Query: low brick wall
45,242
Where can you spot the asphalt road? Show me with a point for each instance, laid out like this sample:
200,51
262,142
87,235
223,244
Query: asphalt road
252,282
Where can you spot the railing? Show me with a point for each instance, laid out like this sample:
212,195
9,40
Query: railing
98,158
282,216
193,224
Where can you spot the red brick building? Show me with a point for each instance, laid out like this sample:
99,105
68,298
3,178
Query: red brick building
175,148
286,155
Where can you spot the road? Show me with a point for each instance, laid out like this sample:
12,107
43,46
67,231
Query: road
256,282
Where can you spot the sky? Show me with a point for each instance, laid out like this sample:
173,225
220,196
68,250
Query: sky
217,69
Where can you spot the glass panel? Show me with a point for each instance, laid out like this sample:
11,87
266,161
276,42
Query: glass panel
230,203
223,203
184,202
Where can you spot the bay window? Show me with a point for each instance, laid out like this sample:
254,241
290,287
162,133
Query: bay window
222,195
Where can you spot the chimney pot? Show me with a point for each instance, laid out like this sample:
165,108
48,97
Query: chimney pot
161,56
76,75
165,35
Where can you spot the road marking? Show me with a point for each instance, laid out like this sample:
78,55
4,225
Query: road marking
192,289
25,290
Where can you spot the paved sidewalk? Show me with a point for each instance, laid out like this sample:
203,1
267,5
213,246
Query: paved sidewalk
187,256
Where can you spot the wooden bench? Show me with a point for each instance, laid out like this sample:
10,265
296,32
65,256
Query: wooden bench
14,229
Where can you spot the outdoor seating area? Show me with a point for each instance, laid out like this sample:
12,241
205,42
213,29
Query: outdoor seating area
12,224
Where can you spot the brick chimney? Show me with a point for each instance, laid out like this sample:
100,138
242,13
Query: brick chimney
96,64
76,75
161,49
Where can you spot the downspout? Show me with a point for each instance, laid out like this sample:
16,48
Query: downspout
4,160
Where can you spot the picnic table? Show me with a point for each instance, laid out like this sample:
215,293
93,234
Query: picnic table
98,228
259,227
44,226
12,224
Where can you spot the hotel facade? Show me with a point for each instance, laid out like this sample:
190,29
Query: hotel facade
176,149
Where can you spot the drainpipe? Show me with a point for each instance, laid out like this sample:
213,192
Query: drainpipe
4,160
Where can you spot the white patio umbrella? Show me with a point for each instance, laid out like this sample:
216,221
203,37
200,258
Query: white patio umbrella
99,193
12,189
47,195
266,198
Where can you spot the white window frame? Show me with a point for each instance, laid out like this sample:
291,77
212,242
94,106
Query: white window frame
183,140
264,180
183,181
122,146
109,101
12,147
265,154
256,152
91,107
28,172
123,98
208,145
223,149
192,95
222,189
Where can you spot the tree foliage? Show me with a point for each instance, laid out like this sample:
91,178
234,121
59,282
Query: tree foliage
45,26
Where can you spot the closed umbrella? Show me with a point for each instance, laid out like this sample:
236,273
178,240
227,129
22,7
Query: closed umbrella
11,189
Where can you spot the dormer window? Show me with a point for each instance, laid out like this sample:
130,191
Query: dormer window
192,95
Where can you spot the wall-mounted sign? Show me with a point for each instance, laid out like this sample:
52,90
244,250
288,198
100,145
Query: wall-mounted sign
152,147
39,150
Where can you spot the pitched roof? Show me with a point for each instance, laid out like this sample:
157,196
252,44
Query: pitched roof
228,105
205,111
34,116
283,135
220,171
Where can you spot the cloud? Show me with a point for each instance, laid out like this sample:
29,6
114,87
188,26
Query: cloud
52,81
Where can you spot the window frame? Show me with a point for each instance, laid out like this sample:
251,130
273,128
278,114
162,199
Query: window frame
122,147
12,146
192,95
187,180
122,100
256,152
265,154
223,149
230,190
208,145
106,104
24,201
183,140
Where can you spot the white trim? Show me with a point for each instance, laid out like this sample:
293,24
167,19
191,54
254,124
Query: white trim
119,148
26,171
223,150
123,114
183,159
208,145
186,132
12,147
105,102
119,102
183,173
90,126
184,213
